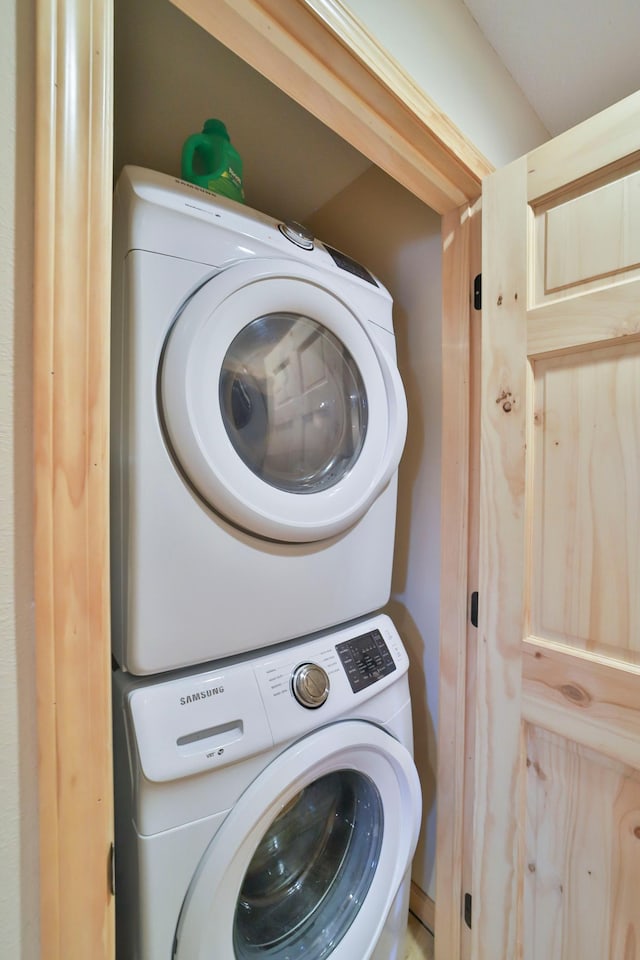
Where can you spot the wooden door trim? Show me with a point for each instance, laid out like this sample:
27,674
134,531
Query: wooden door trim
73,186
422,907
410,139
460,259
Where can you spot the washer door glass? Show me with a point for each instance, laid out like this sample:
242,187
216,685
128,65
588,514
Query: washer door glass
311,871
293,403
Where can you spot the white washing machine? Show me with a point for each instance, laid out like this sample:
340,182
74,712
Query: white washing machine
258,419
268,807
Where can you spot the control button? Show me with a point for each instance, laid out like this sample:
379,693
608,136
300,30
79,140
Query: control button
296,233
310,685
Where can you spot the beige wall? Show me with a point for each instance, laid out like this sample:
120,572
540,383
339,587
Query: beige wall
18,756
171,76
396,236
440,45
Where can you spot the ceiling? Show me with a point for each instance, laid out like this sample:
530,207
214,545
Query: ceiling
571,58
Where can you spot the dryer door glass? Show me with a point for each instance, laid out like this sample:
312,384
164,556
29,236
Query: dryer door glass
293,403
311,871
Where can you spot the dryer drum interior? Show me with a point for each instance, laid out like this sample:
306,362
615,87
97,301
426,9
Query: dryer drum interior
311,871
293,403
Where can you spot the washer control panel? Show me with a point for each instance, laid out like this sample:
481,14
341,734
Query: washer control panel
201,719
310,685
366,659
327,676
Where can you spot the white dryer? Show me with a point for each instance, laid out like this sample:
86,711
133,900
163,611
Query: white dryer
268,807
258,419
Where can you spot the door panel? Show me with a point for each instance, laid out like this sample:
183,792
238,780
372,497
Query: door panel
588,237
556,866
570,790
585,505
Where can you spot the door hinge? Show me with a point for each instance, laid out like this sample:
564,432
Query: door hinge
477,292
111,869
467,909
473,609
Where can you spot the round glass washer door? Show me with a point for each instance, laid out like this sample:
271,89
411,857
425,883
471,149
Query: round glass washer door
308,862
283,413
311,870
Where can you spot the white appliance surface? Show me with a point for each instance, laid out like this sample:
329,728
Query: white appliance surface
257,423
248,824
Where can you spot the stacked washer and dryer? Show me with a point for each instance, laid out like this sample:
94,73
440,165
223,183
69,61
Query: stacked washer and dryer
267,804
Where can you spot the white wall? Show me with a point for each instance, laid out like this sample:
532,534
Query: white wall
378,222
19,895
440,45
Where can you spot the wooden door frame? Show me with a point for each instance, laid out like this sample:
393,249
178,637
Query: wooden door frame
319,54
73,188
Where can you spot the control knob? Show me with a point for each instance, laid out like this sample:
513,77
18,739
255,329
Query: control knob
296,233
310,685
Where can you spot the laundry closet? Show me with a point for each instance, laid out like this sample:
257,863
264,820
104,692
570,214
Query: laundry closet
170,76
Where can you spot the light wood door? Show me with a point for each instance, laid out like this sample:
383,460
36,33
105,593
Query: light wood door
556,867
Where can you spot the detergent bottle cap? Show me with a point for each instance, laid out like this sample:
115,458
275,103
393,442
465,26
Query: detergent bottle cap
216,128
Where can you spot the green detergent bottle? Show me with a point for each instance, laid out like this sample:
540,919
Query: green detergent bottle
210,160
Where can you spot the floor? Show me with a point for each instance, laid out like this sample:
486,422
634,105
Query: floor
419,942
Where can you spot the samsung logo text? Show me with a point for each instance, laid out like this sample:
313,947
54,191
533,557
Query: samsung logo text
201,695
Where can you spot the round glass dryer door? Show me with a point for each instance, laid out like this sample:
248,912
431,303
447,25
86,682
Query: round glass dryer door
293,403
309,860
285,415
